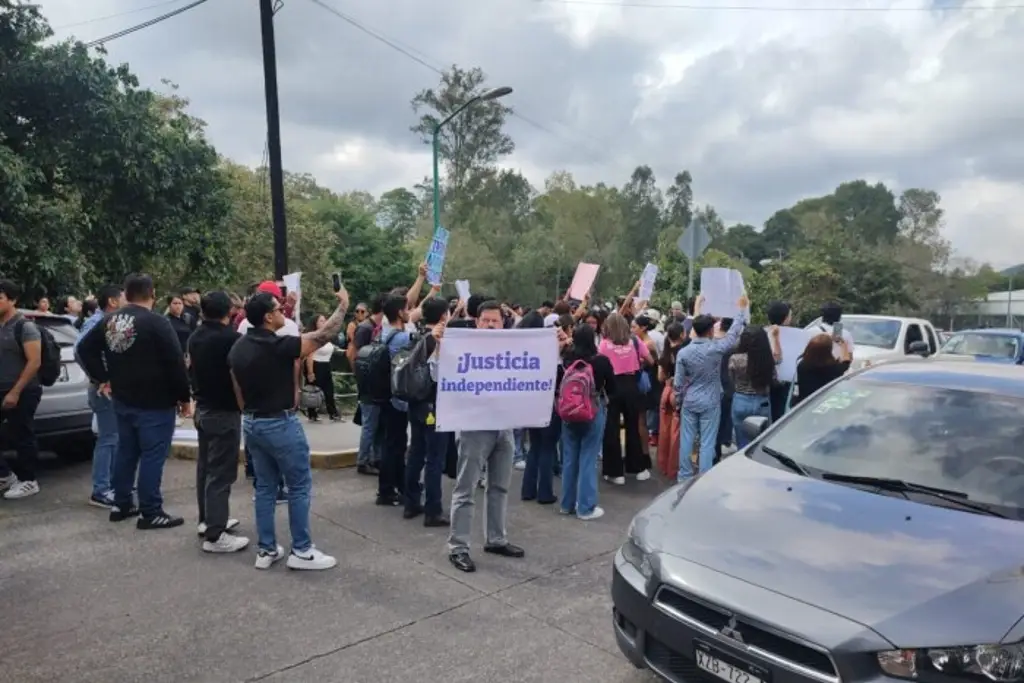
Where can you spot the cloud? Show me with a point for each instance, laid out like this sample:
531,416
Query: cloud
763,107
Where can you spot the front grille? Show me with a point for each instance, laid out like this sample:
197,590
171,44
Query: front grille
670,663
717,618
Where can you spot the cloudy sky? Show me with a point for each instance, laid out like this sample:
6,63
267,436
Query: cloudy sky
764,107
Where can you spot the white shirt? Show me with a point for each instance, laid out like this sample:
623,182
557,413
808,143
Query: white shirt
659,340
290,329
551,320
827,329
324,353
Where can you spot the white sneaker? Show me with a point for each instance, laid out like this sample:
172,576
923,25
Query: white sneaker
596,513
231,525
519,464
618,481
265,559
8,481
643,476
311,559
21,489
226,543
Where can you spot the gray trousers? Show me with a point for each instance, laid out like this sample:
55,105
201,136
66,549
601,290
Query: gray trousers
220,434
477,451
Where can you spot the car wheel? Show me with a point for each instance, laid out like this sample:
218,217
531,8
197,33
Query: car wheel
75,448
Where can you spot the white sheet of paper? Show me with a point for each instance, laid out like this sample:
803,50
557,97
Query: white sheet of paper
462,287
647,279
721,289
293,283
793,341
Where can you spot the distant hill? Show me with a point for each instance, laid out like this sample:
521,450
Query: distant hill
1013,270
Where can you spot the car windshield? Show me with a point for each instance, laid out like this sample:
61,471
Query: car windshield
880,332
64,333
963,441
981,344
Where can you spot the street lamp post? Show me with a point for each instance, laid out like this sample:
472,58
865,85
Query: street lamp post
435,143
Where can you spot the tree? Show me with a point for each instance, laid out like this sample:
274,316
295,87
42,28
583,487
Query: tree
472,141
397,213
679,207
642,209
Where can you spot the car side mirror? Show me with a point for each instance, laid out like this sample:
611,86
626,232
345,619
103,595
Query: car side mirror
918,348
754,426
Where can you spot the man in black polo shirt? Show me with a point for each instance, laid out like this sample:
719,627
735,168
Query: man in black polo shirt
263,370
218,423
370,442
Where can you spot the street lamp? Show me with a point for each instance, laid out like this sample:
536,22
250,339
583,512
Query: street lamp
435,142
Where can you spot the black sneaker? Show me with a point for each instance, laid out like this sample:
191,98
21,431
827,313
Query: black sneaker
160,520
120,514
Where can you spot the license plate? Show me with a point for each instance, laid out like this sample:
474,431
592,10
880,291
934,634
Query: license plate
64,377
727,668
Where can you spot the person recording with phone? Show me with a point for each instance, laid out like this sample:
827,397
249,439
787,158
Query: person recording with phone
832,325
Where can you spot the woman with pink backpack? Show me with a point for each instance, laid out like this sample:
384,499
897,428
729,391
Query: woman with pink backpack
585,381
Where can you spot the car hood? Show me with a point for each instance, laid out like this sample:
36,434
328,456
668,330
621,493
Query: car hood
893,565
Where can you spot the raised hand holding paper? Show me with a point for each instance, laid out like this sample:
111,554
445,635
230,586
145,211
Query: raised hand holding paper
462,287
435,255
721,289
583,280
647,279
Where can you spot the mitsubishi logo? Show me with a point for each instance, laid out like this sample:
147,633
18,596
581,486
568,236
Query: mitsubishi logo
730,631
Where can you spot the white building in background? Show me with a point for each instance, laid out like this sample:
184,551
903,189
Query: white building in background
998,309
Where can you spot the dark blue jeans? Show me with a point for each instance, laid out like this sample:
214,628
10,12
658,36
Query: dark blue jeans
538,478
143,444
427,451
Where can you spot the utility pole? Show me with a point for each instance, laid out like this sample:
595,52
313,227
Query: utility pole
267,9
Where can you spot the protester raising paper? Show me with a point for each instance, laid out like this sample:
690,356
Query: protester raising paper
647,279
721,289
583,280
462,287
496,379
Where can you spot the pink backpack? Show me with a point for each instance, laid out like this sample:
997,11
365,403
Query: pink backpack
577,397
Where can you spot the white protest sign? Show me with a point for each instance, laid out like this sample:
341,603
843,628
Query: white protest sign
496,379
462,287
721,289
293,283
793,341
647,279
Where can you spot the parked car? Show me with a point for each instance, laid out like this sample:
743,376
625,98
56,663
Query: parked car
874,533
995,345
64,420
878,338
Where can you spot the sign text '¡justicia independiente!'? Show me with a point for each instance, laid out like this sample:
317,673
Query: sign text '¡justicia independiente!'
497,361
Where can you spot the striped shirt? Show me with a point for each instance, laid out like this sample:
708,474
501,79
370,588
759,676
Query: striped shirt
698,379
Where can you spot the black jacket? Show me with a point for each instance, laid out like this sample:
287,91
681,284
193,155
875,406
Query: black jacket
144,361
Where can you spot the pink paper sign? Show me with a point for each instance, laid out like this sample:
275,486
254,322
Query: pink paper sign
583,280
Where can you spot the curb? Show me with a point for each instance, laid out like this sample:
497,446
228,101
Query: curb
318,460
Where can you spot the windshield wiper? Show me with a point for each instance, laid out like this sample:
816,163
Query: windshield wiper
899,486
786,460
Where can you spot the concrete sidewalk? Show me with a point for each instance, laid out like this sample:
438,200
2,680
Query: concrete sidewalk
89,601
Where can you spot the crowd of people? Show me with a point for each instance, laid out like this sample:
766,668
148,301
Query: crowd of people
636,391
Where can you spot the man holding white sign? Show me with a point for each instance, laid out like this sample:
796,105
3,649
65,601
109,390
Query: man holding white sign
489,382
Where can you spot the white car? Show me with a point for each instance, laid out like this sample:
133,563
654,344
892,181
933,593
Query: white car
878,338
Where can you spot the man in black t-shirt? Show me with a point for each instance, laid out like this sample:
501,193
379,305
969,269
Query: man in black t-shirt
263,372
370,442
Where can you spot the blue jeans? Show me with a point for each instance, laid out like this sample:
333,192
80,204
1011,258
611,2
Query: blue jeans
706,422
280,450
744,406
105,451
519,436
427,451
581,445
143,444
538,478
369,437
653,420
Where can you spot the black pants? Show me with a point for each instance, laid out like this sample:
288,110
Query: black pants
325,381
220,435
394,426
19,426
778,395
624,407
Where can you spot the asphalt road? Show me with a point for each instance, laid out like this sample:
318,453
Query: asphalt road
86,600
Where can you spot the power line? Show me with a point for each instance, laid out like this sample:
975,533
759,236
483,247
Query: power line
422,59
145,24
645,4
97,20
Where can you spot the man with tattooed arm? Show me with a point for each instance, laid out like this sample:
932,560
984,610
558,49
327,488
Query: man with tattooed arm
262,370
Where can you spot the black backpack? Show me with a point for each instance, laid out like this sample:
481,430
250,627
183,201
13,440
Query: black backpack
49,358
410,373
373,370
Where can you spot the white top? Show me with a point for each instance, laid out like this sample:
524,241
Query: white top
324,353
551,320
659,340
827,329
290,329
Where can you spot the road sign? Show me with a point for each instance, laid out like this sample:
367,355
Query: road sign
694,240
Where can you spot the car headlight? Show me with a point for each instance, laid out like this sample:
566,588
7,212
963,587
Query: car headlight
636,554
999,663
